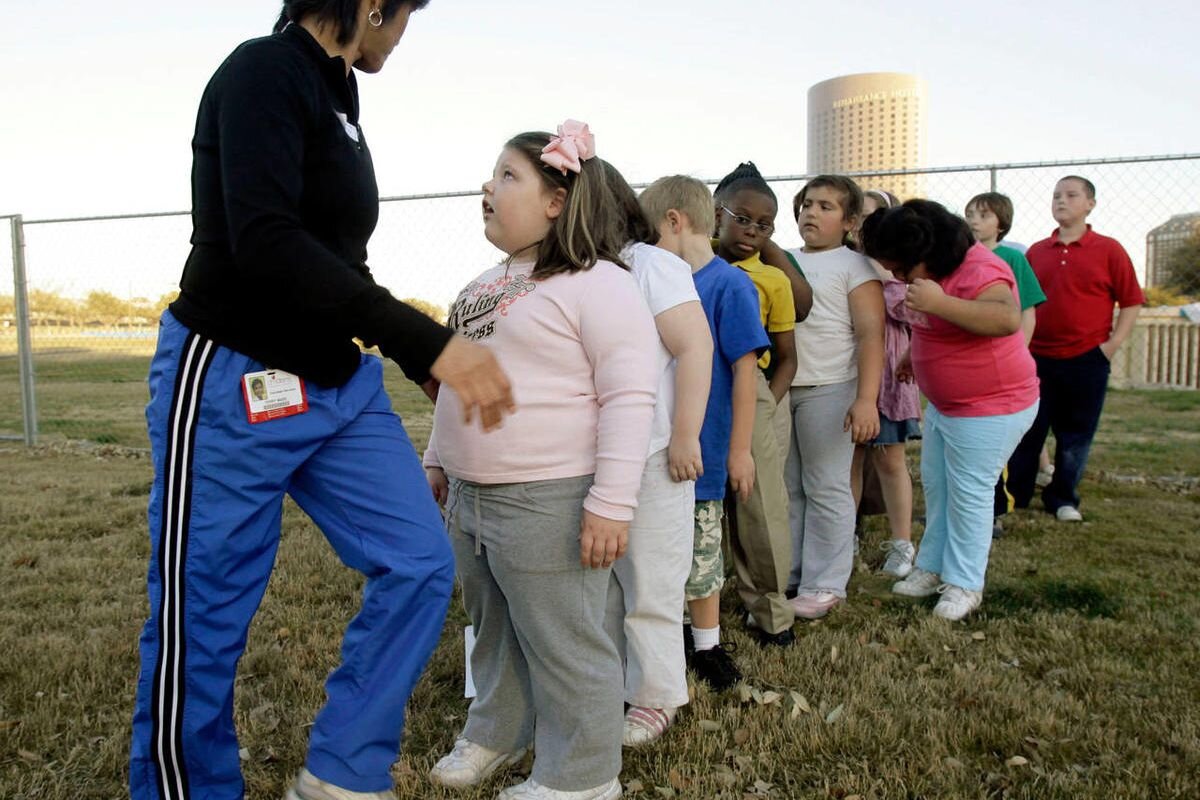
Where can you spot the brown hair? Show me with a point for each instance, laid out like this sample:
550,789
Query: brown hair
686,195
1089,188
998,204
852,198
591,226
637,227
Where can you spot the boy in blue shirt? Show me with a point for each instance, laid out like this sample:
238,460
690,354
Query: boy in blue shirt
681,210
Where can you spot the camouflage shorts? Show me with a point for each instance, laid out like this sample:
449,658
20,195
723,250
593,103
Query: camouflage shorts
708,566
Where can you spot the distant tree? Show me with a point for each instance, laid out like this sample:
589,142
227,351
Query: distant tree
1165,296
105,307
8,305
45,304
161,305
1183,267
429,309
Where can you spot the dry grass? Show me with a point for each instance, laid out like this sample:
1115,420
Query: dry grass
1082,662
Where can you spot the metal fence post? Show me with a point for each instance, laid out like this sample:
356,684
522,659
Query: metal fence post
993,173
24,341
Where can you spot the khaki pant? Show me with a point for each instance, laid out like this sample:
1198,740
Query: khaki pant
761,543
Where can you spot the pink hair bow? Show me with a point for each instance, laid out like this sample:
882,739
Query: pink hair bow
573,144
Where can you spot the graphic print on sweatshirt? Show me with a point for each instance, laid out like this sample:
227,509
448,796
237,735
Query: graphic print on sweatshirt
475,310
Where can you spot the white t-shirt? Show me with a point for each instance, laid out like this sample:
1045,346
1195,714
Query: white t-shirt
665,281
826,351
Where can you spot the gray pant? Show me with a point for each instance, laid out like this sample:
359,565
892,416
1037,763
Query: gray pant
821,510
544,669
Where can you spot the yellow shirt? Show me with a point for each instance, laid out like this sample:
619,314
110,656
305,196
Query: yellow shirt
776,305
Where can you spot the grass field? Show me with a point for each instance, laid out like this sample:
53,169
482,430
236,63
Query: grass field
1078,678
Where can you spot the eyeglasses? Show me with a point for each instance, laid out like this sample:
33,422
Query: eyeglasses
747,223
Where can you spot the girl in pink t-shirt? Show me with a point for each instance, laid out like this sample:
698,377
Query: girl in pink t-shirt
539,509
970,359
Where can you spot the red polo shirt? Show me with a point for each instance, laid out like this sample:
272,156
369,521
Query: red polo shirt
1082,280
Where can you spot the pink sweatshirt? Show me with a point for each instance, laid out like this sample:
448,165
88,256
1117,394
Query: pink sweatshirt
580,350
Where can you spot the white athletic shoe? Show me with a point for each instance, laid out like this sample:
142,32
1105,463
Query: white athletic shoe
899,561
532,790
1068,514
918,583
956,602
310,787
469,763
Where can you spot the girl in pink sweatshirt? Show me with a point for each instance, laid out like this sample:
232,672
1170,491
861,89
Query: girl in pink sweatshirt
539,510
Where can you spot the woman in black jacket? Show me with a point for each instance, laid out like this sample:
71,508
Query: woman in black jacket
258,389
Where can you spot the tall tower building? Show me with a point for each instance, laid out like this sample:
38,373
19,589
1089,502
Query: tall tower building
1163,241
870,121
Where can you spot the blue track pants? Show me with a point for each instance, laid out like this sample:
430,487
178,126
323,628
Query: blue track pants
215,510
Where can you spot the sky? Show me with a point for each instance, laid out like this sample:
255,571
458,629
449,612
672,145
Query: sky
99,99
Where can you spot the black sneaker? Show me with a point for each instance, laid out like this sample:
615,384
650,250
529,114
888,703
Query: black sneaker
716,668
689,642
785,638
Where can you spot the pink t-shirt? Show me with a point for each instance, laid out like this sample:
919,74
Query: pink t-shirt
580,350
964,374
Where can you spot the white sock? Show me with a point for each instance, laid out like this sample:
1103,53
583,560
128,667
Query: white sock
706,638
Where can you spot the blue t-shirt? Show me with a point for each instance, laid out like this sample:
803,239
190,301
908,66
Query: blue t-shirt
730,302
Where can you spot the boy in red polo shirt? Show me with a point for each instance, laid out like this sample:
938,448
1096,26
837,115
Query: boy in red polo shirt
1083,275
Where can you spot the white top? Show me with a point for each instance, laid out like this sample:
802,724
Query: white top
575,347
666,282
826,350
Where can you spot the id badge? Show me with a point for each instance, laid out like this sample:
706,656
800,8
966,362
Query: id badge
273,394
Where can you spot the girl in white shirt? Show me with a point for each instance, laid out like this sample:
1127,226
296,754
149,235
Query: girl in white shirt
839,353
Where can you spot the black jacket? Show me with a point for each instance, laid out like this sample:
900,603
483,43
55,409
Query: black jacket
283,202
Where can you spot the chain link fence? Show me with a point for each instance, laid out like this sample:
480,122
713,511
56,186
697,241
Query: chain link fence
96,286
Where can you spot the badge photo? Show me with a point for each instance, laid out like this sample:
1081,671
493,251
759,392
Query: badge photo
273,394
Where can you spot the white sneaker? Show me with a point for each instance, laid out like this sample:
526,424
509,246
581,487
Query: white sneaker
310,787
918,583
532,790
469,763
899,561
1068,514
956,602
645,725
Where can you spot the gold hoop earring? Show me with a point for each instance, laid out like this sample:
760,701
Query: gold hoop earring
375,18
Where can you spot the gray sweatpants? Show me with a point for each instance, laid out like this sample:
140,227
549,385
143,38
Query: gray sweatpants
545,671
821,506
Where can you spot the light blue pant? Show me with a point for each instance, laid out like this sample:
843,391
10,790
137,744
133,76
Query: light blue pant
961,459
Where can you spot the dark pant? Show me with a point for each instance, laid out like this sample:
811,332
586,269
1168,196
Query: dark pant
1072,399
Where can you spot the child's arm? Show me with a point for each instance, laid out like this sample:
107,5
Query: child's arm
993,312
684,331
1126,318
783,356
1028,324
741,463
802,292
866,314
625,375
434,474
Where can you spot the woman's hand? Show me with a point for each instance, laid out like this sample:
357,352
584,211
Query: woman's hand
476,377
601,541
924,295
438,484
862,421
